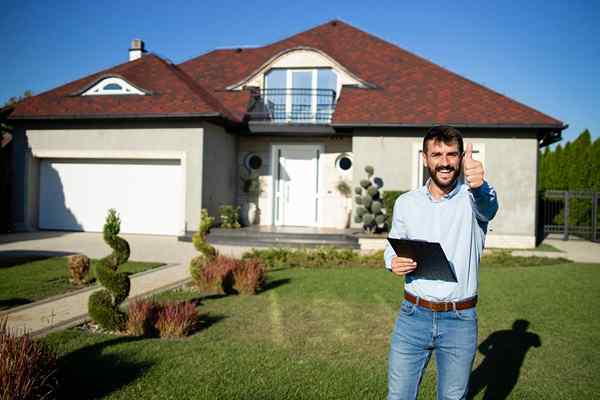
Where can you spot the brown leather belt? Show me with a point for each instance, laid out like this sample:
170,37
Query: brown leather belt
435,306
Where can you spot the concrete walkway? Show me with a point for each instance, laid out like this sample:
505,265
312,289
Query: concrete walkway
59,312
574,249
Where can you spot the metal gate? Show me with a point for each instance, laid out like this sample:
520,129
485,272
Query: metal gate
570,213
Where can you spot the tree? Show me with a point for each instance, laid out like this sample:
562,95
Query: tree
16,99
577,165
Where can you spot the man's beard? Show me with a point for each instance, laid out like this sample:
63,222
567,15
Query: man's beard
440,184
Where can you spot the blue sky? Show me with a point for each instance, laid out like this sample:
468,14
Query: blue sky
545,54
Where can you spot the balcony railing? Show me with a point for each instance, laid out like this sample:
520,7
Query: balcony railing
293,105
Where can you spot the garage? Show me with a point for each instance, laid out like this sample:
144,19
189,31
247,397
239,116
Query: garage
75,195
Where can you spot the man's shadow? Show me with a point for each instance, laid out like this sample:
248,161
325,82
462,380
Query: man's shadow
504,353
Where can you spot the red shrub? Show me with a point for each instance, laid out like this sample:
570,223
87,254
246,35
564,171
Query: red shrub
249,276
28,370
141,317
217,274
176,319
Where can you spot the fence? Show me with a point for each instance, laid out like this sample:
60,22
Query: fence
570,213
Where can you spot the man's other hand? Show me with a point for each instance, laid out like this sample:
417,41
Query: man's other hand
402,266
472,169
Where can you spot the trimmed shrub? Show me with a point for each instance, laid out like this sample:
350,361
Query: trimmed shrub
141,317
230,216
320,257
199,238
389,199
248,276
176,320
79,266
28,369
216,275
103,306
368,197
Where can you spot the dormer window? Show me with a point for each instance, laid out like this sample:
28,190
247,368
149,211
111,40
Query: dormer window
112,86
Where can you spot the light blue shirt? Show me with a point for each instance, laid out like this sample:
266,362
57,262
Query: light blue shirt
458,221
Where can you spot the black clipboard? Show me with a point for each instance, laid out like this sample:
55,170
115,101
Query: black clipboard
432,263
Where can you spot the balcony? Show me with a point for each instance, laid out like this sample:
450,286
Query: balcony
293,106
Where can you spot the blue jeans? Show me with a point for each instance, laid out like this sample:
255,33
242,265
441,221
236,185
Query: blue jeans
419,331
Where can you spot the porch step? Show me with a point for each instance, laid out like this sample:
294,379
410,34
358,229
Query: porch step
253,237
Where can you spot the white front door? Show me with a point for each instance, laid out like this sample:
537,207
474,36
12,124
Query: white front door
296,184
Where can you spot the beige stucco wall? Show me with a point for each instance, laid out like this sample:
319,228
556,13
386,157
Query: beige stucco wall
159,140
219,172
510,160
328,198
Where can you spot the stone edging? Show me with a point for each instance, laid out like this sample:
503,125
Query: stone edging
78,320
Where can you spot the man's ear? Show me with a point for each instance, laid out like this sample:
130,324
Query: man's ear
424,159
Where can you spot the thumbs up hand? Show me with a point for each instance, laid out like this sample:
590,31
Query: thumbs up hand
472,169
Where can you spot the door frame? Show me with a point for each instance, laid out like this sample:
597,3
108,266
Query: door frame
276,215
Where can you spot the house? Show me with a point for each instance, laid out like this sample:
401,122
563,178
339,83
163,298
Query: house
159,141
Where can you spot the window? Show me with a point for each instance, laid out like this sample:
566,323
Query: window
253,161
301,95
112,86
343,163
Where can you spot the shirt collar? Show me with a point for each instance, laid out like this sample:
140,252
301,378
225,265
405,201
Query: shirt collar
457,185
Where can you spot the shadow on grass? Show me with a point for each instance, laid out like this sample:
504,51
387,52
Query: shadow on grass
275,284
12,258
10,303
92,373
205,321
504,353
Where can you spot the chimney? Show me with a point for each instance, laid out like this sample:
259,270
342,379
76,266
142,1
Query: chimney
137,49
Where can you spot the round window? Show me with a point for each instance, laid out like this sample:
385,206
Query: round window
253,161
344,163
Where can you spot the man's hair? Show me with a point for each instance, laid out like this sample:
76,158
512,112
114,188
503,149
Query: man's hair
446,134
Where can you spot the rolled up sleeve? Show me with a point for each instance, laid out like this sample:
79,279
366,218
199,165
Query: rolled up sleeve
485,202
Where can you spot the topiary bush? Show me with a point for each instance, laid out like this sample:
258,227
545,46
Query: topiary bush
199,238
207,252
79,266
103,306
369,210
28,369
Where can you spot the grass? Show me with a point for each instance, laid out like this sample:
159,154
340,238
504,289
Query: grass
29,281
547,247
324,334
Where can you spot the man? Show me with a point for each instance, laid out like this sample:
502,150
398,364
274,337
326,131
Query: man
452,208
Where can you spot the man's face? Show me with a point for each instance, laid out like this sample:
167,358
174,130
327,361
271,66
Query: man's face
443,162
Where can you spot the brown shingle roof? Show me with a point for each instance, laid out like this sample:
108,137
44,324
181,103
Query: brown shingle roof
172,93
409,89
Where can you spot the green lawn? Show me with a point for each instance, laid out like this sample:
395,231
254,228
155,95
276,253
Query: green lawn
26,281
324,334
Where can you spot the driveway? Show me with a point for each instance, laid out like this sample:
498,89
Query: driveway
165,249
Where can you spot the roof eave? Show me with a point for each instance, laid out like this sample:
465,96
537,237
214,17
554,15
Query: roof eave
457,125
115,116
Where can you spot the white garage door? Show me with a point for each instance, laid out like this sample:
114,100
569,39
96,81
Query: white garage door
147,194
